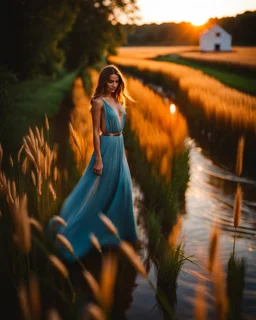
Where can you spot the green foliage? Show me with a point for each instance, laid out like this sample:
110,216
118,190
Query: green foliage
41,36
96,31
30,101
35,29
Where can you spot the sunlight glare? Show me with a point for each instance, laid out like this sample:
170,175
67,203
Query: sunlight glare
172,108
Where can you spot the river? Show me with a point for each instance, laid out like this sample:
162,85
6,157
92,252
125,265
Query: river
209,199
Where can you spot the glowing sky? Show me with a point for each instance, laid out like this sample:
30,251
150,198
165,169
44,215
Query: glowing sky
195,11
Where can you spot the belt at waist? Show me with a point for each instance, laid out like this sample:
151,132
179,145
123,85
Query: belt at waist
113,134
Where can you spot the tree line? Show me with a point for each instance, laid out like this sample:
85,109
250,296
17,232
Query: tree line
241,27
44,37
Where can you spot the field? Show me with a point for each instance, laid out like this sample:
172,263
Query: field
240,55
217,101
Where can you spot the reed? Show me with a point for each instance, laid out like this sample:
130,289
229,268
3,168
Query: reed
239,157
213,249
129,251
93,284
81,139
237,206
174,235
95,242
221,300
94,312
56,262
65,243
107,281
200,303
109,224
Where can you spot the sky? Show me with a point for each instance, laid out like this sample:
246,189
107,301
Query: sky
195,11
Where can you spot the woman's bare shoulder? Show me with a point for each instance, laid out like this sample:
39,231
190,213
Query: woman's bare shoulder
97,103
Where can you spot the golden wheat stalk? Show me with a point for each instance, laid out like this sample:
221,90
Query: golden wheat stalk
95,242
107,281
32,136
173,237
239,156
213,248
42,135
34,297
65,243
46,122
39,183
51,189
55,174
14,190
221,300
93,284
30,156
11,161
60,220
109,224
9,193
237,206
24,166
36,225
75,139
58,265
94,312
200,303
133,257
39,138
33,177
19,152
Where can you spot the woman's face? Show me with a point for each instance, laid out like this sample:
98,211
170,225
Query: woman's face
112,83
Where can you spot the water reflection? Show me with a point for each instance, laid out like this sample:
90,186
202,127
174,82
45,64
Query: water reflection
210,199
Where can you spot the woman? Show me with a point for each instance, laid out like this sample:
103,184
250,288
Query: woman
105,186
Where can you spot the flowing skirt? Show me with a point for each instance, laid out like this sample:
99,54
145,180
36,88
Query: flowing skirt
110,193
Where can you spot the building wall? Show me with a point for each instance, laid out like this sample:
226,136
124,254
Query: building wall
209,41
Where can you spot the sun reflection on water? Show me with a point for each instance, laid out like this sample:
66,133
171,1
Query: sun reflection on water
172,108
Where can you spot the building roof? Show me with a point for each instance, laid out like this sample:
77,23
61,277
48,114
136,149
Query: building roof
215,26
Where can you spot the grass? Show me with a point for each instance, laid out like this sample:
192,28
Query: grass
28,103
242,82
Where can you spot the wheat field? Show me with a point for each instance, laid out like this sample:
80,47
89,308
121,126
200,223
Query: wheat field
239,55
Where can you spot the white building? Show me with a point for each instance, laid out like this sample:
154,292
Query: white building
215,39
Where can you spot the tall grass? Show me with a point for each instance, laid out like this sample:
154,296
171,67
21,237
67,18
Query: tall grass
81,126
203,93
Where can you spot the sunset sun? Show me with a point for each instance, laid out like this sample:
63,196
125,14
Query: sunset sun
198,19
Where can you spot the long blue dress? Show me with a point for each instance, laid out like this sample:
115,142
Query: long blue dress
110,193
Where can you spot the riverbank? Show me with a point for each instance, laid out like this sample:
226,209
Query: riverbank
244,82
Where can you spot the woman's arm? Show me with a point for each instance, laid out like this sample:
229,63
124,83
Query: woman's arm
97,105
